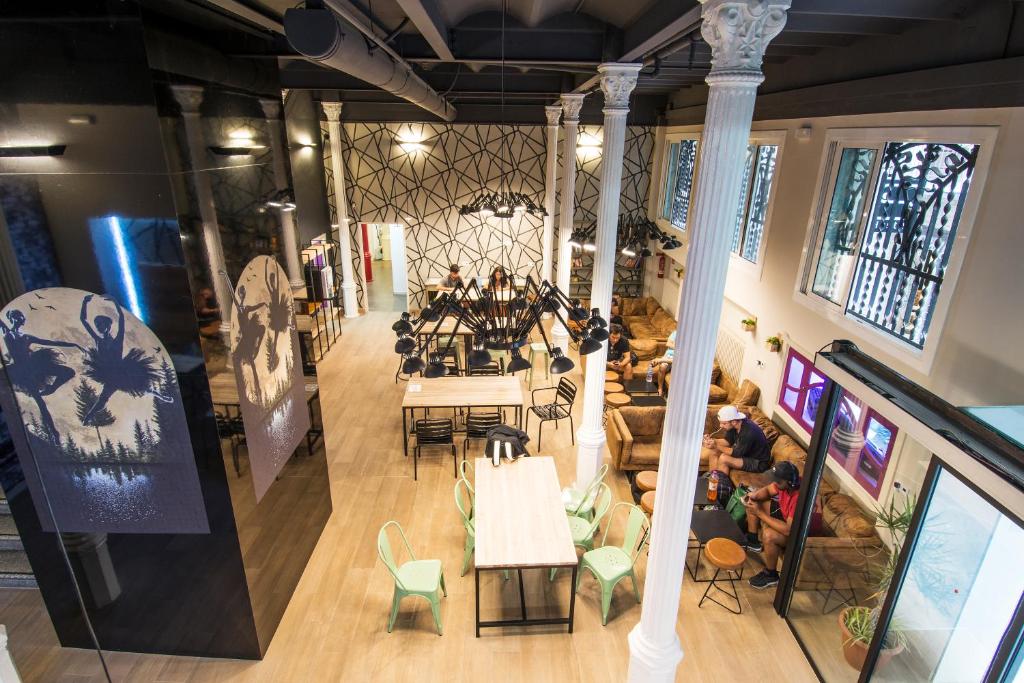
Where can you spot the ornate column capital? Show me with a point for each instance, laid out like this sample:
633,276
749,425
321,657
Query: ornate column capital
332,110
738,31
571,105
271,109
553,113
189,97
617,83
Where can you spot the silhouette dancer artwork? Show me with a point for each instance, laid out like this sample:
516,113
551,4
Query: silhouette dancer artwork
109,366
103,422
36,372
268,372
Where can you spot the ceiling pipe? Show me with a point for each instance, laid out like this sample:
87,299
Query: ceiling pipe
326,38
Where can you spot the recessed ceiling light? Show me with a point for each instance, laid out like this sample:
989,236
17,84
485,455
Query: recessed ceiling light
82,119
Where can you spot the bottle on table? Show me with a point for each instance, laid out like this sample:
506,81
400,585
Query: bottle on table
713,487
650,373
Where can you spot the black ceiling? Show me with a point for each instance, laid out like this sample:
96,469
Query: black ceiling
554,46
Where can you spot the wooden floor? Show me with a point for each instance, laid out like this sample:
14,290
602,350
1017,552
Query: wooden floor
335,626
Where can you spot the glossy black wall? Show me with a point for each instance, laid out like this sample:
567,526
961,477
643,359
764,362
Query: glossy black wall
219,594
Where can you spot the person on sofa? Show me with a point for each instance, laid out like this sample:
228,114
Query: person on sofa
744,446
771,508
620,357
663,364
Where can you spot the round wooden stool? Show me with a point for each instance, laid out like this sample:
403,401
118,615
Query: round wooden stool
611,376
613,388
647,502
726,556
647,480
617,400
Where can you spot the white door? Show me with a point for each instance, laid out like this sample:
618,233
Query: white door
396,233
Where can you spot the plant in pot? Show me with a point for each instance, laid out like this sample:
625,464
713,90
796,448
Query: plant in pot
774,344
858,624
749,323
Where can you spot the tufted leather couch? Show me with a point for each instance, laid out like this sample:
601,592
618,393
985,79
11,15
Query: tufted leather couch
646,319
634,436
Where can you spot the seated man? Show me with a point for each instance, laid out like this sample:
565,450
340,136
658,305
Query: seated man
744,446
452,279
772,507
663,364
620,358
615,313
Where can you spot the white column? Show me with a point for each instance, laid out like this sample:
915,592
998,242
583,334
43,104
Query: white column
289,239
737,31
553,113
617,82
190,97
571,105
348,283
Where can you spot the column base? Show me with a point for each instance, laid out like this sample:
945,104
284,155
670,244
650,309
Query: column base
650,662
348,296
590,443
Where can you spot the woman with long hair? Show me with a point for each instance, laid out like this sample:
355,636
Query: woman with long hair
498,281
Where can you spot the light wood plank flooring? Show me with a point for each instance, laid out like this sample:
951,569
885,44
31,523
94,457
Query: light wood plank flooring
335,626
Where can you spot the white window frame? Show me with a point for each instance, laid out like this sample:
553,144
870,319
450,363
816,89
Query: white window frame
835,138
736,262
664,223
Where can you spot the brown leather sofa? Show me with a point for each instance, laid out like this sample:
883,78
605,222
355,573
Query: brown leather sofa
634,436
646,319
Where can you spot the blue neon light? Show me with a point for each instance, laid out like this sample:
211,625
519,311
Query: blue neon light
127,274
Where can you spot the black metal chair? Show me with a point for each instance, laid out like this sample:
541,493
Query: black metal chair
477,425
231,428
434,432
559,409
492,369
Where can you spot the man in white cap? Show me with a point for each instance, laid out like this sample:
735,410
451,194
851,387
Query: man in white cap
744,446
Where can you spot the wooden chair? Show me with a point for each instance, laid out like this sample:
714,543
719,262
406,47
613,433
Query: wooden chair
559,409
434,432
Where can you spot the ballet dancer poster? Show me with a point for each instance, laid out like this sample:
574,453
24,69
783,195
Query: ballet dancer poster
104,437
268,370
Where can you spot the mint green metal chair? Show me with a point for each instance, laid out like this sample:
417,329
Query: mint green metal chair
466,472
610,564
581,503
462,491
583,529
424,578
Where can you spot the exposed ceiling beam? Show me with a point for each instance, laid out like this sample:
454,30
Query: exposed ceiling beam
921,10
425,15
661,24
261,19
858,26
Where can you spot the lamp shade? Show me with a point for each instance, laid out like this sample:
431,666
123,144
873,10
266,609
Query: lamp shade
405,344
518,362
435,369
589,345
599,334
559,363
412,365
479,357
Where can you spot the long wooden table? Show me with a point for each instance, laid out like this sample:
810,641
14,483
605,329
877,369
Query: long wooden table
460,392
224,394
521,524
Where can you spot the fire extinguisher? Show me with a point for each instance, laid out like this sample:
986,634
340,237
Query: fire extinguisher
661,265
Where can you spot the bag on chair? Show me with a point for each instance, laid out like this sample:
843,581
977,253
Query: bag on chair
735,506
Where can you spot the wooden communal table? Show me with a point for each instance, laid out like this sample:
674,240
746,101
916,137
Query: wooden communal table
460,392
447,327
521,524
224,393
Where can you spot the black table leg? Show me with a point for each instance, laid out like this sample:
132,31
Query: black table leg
572,596
477,573
405,434
522,595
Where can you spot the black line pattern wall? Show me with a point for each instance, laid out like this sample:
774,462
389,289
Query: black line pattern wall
419,175
355,234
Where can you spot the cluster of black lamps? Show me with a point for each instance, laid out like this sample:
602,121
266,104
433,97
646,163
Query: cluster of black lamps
501,205
495,325
632,236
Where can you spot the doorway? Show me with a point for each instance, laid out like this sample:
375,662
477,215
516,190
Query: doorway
387,280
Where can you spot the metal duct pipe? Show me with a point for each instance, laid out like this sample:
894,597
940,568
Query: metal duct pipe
322,36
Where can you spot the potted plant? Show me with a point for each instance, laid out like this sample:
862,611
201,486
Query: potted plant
858,624
749,323
774,344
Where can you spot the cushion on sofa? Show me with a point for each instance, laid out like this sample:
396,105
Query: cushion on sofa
716,373
640,328
645,349
644,422
717,395
662,321
771,432
845,517
645,453
747,394
786,449
651,306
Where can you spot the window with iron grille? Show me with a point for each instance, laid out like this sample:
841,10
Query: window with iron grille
680,162
755,194
885,241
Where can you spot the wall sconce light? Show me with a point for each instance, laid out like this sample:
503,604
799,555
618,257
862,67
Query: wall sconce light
82,119
410,141
33,151
282,199
803,132
588,144
238,151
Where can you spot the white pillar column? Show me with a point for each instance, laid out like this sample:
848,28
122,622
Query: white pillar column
737,31
348,283
190,97
571,105
553,113
289,238
617,82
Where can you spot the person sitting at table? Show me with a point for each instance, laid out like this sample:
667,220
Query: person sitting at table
207,313
771,509
498,282
620,357
453,279
743,447
663,364
615,312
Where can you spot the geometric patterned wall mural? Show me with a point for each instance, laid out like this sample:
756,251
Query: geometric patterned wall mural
354,230
422,187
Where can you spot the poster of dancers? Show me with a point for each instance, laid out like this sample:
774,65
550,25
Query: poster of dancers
268,369
104,438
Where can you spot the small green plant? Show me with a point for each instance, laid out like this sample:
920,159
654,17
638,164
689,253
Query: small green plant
774,343
749,323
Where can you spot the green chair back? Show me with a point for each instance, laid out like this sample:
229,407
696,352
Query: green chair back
590,493
464,503
603,502
384,550
466,471
636,524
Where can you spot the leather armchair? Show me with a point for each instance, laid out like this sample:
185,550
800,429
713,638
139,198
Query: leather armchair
634,436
